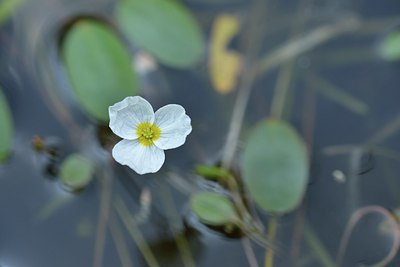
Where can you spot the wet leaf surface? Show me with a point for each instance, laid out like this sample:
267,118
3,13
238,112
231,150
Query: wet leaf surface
99,67
164,29
275,166
76,172
213,208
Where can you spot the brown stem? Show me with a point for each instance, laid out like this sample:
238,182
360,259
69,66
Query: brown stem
355,218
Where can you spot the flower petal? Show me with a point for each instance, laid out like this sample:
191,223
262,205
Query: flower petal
142,159
174,125
127,114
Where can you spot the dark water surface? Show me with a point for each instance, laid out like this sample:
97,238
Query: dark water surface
43,225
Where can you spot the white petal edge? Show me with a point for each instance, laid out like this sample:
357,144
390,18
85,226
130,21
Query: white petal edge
142,159
174,125
127,114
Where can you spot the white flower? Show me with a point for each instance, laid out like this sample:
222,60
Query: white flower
146,134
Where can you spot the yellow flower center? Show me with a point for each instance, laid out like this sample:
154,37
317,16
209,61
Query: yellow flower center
147,133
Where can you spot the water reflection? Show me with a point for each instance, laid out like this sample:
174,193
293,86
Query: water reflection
39,94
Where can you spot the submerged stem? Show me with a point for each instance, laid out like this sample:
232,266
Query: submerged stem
104,214
305,43
247,223
180,240
272,231
318,248
355,218
120,245
136,234
278,56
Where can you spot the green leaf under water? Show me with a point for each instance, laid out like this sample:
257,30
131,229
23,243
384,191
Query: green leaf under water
6,128
275,166
99,67
76,172
213,208
7,7
390,47
164,28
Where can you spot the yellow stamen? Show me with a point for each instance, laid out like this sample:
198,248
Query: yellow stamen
147,133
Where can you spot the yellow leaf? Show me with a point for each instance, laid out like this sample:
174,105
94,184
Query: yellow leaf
224,64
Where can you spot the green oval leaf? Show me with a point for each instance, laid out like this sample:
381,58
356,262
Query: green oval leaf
76,172
6,128
164,28
99,67
213,208
389,49
275,166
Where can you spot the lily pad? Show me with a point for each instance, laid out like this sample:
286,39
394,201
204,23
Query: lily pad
213,208
163,28
6,128
99,67
390,47
76,172
275,166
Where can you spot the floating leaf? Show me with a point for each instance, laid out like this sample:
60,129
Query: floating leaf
76,172
390,47
224,64
164,29
275,166
6,128
213,208
99,67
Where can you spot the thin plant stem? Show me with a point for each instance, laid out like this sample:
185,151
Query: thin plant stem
119,242
387,131
375,26
353,194
337,95
247,223
281,90
104,213
292,48
355,218
285,76
129,222
317,247
181,184
347,149
252,44
249,252
297,234
272,232
237,120
180,240
346,56
308,41
52,206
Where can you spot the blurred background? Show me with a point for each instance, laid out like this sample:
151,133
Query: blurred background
329,68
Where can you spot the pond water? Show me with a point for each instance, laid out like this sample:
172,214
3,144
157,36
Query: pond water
342,97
